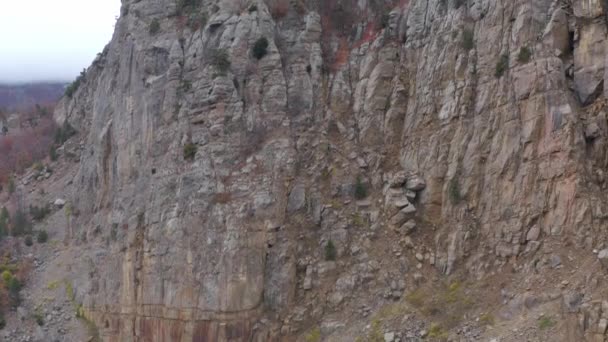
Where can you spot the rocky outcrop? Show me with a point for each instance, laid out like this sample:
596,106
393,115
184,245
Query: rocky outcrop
461,122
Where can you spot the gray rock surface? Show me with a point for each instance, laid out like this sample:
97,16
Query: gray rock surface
603,258
229,244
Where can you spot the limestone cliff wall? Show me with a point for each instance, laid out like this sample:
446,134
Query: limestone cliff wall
482,100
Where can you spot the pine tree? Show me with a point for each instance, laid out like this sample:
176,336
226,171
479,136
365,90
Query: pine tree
3,222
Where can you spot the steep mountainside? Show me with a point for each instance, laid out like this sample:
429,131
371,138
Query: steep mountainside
340,170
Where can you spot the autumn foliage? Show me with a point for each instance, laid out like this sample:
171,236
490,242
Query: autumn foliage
346,27
12,278
278,8
20,148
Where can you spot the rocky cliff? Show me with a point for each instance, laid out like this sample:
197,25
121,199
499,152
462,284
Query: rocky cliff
288,170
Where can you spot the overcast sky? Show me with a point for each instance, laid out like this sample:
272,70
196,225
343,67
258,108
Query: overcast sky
47,40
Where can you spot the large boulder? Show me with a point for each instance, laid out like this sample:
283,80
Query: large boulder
59,203
415,183
589,61
398,179
297,198
556,35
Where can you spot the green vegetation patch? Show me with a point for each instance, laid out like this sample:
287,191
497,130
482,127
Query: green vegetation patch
190,150
260,48
360,189
42,236
437,332
220,60
501,66
154,27
446,305
313,335
454,190
330,251
545,322
63,133
467,40
197,21
71,89
524,55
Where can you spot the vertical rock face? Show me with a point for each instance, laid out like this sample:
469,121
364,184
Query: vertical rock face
470,111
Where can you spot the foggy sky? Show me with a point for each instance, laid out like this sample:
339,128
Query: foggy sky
42,40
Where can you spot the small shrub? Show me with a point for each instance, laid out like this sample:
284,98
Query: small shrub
253,8
14,286
114,232
187,6
154,27
384,20
71,89
190,151
39,213
458,3
69,291
11,186
63,133
68,210
501,66
92,329
3,222
454,190
28,241
435,331
335,203
21,225
453,293
52,285
39,319
524,55
260,48
416,298
184,87
330,251
375,334
38,166
53,153
467,40
358,221
360,189
487,319
545,322
42,236
68,130
79,311
7,276
197,21
314,335
220,60
2,322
